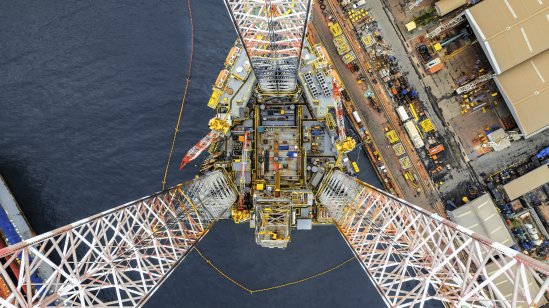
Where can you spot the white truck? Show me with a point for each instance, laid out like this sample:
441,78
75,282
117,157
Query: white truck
414,134
357,117
402,114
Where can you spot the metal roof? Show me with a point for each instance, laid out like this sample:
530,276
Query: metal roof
527,182
481,216
525,89
510,31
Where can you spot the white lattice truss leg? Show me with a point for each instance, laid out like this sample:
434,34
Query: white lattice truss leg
272,32
119,257
413,256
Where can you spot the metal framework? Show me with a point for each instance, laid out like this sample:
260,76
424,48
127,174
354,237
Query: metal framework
272,32
475,83
118,257
272,222
414,256
447,25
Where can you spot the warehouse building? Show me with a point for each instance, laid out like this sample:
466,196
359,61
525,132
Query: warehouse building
481,216
517,47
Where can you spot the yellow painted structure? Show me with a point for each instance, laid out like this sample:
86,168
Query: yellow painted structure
427,125
410,26
214,99
405,162
392,136
335,28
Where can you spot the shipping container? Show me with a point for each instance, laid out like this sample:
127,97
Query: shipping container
414,134
402,114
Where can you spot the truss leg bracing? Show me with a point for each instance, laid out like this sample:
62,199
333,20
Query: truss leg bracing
119,257
414,256
272,33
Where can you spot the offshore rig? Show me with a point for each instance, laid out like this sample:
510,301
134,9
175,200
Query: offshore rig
278,148
277,140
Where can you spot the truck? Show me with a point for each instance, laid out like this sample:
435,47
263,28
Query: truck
402,114
434,66
359,3
357,117
414,134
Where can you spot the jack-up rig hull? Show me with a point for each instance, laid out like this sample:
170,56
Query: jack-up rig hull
277,160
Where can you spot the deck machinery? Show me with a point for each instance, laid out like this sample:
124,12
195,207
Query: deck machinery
280,147
276,161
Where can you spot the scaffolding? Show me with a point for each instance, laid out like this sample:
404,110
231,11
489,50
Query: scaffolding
272,33
273,218
118,257
414,256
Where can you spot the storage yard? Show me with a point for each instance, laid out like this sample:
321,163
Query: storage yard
438,106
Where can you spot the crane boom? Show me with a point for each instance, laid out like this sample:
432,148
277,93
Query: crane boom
474,84
344,144
199,147
243,165
447,25
219,127
340,118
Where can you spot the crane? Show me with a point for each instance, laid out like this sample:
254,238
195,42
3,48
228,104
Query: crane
344,144
121,256
243,167
447,25
475,83
218,128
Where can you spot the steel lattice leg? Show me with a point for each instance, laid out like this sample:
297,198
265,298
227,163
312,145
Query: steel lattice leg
119,257
272,33
414,256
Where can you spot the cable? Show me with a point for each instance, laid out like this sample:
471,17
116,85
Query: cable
184,95
252,291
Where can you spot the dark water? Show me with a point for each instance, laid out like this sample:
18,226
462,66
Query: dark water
89,97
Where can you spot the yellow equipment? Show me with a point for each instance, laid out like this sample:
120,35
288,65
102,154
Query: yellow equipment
239,216
355,167
335,28
392,136
214,99
219,125
344,144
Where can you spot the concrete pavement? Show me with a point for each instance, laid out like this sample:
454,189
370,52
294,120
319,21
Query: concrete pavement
376,121
432,90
